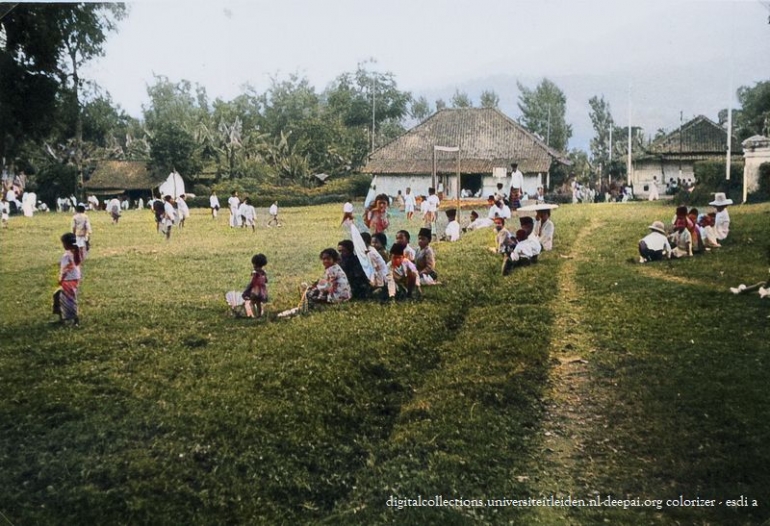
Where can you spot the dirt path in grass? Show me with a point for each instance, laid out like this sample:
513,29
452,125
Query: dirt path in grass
574,402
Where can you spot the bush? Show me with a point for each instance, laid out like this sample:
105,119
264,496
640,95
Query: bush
263,195
763,193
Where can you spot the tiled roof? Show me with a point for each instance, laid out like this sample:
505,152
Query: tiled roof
699,138
487,139
122,175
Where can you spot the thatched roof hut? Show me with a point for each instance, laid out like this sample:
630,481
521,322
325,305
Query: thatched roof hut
487,139
115,177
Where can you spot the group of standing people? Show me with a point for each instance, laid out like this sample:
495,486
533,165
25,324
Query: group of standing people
242,212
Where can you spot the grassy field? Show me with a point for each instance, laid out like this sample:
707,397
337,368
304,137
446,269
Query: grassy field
584,375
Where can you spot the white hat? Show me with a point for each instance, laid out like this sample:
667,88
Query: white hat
536,207
720,199
658,226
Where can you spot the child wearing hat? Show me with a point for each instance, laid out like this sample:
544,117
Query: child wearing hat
654,246
722,219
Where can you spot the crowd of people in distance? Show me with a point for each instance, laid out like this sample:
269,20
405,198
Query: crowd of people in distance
242,212
688,233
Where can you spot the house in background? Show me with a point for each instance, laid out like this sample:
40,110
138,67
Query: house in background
489,142
112,178
673,156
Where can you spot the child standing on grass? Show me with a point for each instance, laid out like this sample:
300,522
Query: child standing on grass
256,292
274,215
69,279
81,227
5,209
169,216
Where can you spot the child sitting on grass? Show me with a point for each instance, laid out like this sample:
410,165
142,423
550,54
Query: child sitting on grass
334,286
425,261
403,238
256,292
402,274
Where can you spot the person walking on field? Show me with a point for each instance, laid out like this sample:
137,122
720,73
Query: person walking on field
274,215
81,227
233,202
183,211
69,281
214,204
169,216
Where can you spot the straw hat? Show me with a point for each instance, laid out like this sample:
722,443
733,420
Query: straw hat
658,227
720,199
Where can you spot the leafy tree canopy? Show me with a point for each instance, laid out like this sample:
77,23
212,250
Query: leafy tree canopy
544,112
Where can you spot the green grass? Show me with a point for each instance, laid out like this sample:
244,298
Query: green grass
162,409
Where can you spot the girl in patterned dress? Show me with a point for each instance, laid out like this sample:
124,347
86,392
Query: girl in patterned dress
256,292
334,286
69,279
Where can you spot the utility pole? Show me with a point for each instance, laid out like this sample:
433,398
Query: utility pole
374,77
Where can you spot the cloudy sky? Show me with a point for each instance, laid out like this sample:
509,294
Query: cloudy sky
677,57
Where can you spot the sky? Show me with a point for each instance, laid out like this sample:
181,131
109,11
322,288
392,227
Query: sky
654,61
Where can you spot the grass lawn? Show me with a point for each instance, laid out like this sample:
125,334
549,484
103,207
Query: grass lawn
583,376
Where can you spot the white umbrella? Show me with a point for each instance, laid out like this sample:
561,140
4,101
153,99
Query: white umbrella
535,208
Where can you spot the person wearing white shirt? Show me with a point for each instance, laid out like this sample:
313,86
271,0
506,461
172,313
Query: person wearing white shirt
248,214
478,222
654,246
544,229
524,253
452,232
409,203
233,202
214,204
653,195
517,186
722,219
273,211
183,211
169,216
433,204
113,207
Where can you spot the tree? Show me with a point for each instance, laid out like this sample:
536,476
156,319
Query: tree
85,28
544,112
45,45
420,109
461,100
367,98
754,116
440,104
173,148
489,99
601,119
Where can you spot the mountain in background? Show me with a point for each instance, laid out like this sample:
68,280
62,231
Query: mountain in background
657,96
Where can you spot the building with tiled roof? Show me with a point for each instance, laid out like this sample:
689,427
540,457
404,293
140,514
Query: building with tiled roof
673,156
489,142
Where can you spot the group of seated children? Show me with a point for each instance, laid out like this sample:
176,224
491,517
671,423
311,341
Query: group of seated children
524,246
690,233
344,277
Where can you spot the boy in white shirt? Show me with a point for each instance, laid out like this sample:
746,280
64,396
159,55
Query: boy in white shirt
654,246
273,211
